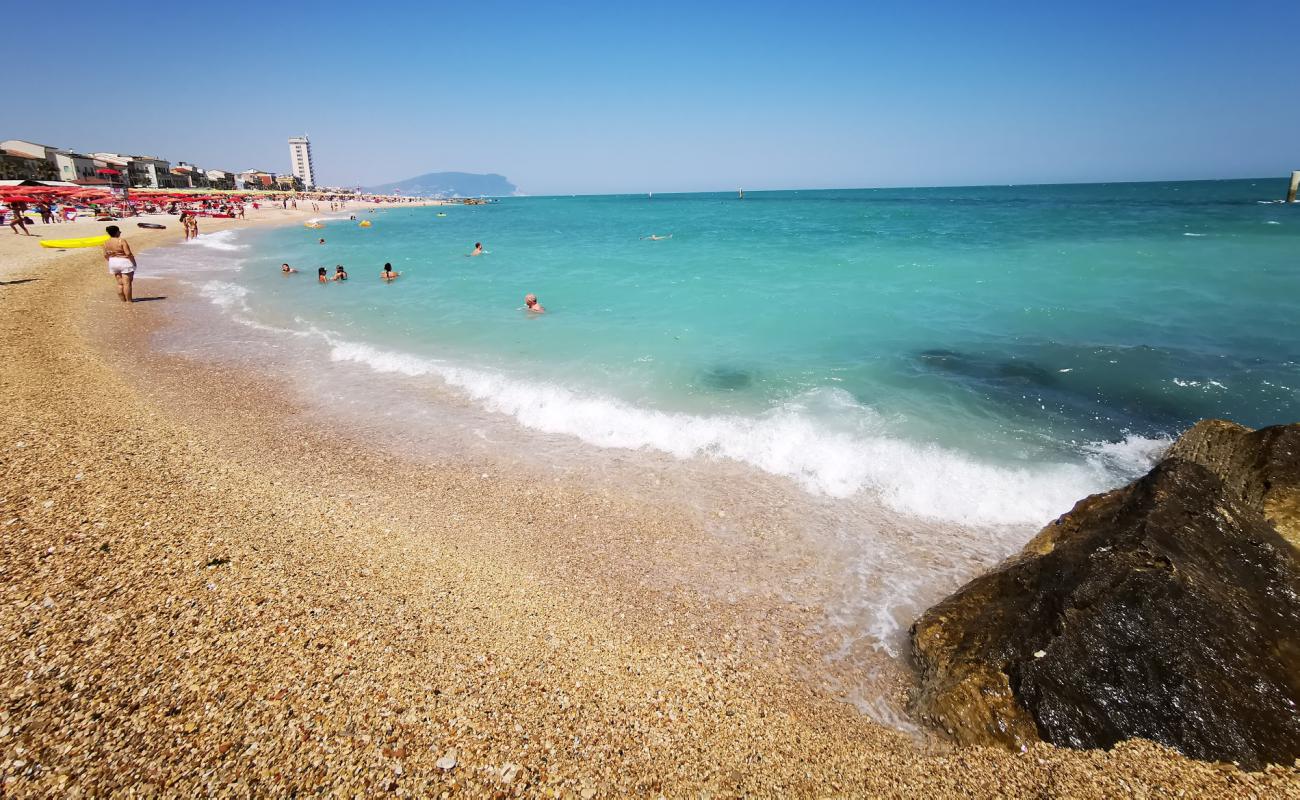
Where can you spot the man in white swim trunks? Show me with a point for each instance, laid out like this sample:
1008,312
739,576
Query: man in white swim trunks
121,261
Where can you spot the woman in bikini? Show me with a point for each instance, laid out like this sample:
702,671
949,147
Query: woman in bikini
121,261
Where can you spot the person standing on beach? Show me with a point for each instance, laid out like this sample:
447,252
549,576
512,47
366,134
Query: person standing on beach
121,261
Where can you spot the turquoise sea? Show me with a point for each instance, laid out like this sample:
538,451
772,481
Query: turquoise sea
981,355
868,396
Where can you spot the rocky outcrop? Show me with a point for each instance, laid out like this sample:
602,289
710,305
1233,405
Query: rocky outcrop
1168,610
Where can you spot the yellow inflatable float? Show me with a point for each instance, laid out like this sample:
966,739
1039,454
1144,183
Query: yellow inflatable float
68,244
364,224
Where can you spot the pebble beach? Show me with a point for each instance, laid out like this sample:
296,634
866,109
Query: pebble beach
208,591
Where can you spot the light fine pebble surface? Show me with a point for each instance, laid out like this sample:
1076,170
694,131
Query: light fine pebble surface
205,593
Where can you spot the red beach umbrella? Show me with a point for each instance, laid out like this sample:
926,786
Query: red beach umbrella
19,198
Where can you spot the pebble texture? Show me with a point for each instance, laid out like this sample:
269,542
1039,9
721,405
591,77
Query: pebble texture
200,597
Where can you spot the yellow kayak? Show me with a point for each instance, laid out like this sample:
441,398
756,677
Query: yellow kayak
67,244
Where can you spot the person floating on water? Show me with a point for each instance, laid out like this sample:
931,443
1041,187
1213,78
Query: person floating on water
121,261
322,241
531,304
654,237
340,274
388,273
478,249
287,270
321,277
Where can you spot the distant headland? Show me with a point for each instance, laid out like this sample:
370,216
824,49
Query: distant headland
449,184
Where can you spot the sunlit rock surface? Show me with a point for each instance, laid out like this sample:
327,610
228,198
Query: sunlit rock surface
1168,609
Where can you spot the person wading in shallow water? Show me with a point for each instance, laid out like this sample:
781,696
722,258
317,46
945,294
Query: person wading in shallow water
121,261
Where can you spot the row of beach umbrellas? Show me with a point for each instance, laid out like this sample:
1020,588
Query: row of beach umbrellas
41,194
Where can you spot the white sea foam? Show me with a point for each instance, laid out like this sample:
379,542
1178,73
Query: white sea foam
225,295
221,240
793,440
1131,456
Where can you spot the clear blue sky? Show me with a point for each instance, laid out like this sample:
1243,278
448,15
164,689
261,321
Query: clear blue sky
668,96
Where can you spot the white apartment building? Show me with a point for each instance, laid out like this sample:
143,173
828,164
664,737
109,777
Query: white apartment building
74,166
300,160
71,166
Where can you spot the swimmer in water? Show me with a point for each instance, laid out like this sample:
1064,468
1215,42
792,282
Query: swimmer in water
654,237
322,241
287,270
531,304
388,274
478,249
321,277
340,274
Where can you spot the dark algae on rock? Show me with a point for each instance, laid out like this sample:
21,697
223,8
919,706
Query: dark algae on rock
1168,609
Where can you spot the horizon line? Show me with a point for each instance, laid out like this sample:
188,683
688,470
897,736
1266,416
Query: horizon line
1282,178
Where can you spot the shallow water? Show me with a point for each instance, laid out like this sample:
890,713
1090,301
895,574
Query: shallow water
915,379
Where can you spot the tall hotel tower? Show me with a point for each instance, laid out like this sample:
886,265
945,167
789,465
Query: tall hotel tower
300,157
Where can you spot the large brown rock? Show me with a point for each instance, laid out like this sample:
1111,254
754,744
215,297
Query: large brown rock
1168,610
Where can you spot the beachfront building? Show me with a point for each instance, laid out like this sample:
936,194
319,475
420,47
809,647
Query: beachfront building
220,179
289,183
29,149
22,159
194,177
68,166
107,183
18,166
144,172
112,167
254,179
74,166
300,160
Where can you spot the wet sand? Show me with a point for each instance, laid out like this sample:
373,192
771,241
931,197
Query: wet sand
207,590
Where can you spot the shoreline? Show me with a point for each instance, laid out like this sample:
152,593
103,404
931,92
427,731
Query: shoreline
207,597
